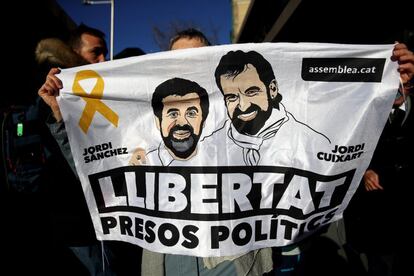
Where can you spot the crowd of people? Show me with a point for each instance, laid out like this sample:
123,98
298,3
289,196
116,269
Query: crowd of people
384,182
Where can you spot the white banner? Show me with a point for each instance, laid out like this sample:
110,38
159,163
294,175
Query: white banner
221,150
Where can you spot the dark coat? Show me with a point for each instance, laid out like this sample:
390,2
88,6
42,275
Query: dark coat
69,215
376,221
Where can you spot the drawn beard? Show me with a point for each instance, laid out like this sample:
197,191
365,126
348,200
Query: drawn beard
253,126
181,148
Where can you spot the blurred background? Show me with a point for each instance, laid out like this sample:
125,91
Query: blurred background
149,24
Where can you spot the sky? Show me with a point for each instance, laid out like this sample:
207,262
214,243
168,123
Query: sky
134,19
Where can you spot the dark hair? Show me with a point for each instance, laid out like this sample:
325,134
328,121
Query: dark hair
234,62
129,52
179,87
190,34
75,37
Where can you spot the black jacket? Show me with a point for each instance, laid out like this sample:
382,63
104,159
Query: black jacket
393,158
68,211
376,221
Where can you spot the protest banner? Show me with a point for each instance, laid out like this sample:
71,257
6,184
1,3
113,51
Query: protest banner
220,150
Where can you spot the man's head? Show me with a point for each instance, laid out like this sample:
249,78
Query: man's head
189,38
249,87
89,43
180,107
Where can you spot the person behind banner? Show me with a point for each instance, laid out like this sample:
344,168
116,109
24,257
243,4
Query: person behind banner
188,38
86,45
180,107
89,45
381,202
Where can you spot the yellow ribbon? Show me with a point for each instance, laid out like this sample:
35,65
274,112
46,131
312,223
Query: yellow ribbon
93,100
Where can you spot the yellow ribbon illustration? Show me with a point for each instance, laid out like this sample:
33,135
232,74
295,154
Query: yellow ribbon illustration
93,100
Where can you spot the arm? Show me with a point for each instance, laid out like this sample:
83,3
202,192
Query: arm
48,92
405,59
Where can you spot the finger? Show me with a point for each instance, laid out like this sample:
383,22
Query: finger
403,54
54,71
405,58
50,89
52,75
367,185
400,51
44,90
406,67
374,183
377,186
399,46
57,82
